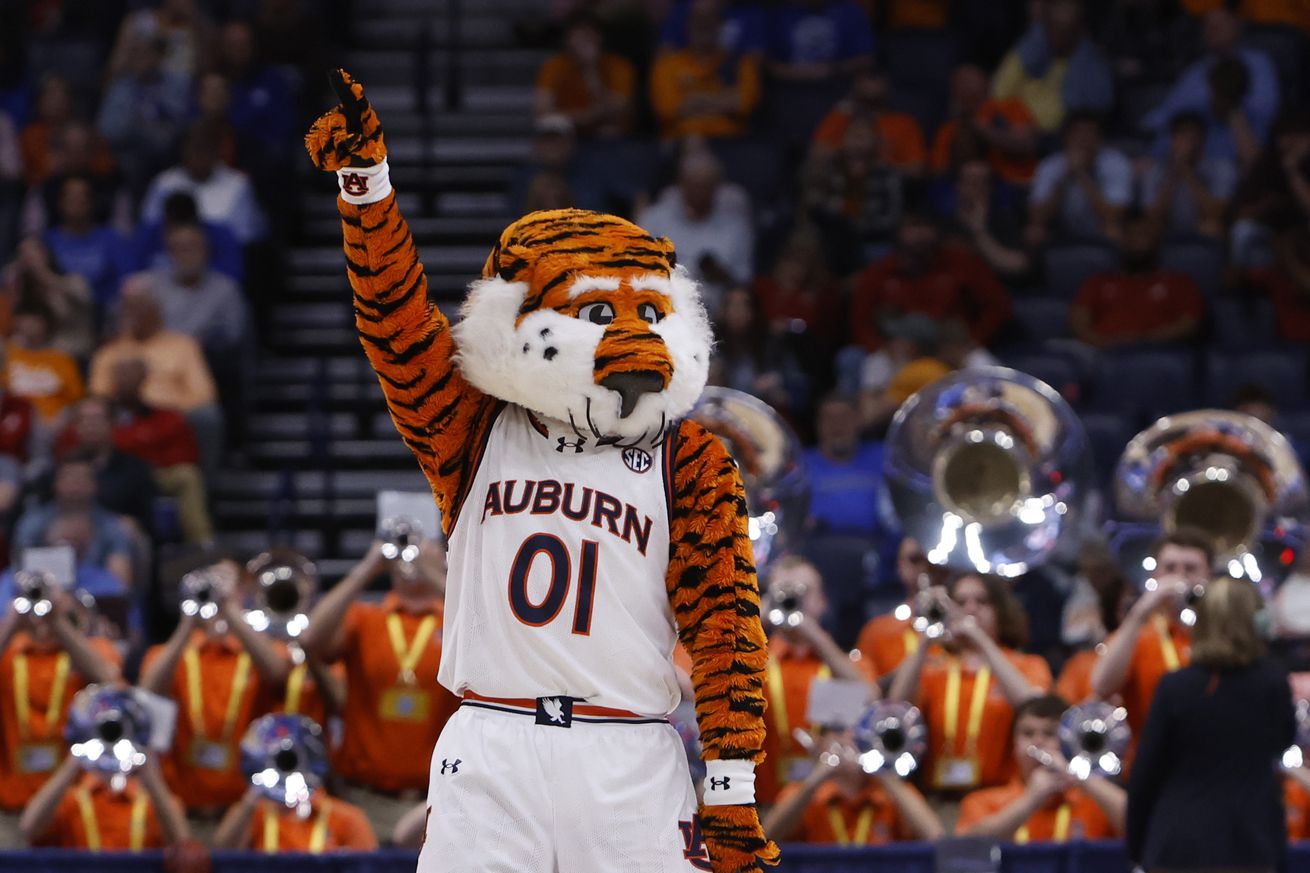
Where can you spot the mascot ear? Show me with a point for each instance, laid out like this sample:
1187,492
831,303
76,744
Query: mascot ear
508,261
669,254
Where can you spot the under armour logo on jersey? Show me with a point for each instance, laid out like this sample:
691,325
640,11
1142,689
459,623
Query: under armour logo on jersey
448,766
719,783
638,460
354,184
576,445
555,711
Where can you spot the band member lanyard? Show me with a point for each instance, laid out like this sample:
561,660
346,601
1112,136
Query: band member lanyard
977,703
778,706
23,706
1061,834
911,642
137,840
317,837
862,825
240,677
408,657
295,689
1167,648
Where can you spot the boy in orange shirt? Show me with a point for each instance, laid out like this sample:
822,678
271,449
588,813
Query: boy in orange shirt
798,655
43,663
35,370
1045,804
839,803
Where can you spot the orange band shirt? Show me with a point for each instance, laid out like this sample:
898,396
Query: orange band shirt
1072,816
93,817
331,826
869,819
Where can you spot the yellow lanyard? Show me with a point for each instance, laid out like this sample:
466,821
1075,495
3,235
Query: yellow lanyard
295,688
408,656
195,701
911,641
23,706
862,826
778,699
1062,816
1167,648
317,837
137,840
976,705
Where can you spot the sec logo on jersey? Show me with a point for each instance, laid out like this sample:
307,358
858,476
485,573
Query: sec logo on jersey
638,461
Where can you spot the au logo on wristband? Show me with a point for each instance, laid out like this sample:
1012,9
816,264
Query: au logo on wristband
354,184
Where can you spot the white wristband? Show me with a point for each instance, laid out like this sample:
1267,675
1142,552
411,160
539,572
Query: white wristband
361,185
729,782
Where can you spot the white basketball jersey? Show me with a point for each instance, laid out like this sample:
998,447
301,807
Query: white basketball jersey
557,573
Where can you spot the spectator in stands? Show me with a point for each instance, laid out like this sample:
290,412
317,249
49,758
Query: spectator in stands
73,491
1094,609
179,26
800,288
709,221
17,420
177,376
555,157
1152,641
968,742
37,280
163,439
923,276
83,245
262,110
958,350
223,195
750,357
1188,192
218,671
43,663
391,651
54,111
1043,803
149,252
798,656
743,27
837,802
1080,192
125,484
899,135
1141,303
213,110
329,824
75,151
907,338
1056,69
887,639
985,217
1235,88
1207,758
81,809
594,88
1001,131
1145,40
34,370
703,89
196,300
76,530
818,40
144,109
855,197
845,472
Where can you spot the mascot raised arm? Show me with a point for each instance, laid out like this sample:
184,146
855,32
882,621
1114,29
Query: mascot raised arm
591,526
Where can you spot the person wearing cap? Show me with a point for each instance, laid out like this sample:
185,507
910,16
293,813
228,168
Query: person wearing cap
219,671
43,662
1044,803
77,809
323,823
391,651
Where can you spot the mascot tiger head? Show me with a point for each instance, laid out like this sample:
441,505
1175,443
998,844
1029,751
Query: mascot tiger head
585,319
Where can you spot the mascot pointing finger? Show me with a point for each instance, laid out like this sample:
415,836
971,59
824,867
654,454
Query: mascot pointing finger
591,527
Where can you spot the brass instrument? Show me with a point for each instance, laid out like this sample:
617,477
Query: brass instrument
987,469
1227,474
783,606
401,538
201,593
891,735
285,585
108,732
1295,756
285,758
35,588
1094,738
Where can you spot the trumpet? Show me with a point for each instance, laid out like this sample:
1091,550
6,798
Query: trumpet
108,732
1094,738
401,537
284,586
891,735
1295,756
284,757
36,590
930,613
201,593
1191,597
784,606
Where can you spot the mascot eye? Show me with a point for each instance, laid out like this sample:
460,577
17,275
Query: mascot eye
648,313
597,313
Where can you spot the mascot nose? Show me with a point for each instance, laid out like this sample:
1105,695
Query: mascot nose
631,385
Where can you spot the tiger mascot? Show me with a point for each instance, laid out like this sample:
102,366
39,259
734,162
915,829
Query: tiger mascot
590,527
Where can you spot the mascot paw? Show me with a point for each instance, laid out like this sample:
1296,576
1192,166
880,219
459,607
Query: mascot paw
735,840
349,135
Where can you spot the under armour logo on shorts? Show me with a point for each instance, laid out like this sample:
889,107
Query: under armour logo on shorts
720,782
354,184
450,766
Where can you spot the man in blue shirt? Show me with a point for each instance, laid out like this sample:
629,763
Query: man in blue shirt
95,252
819,40
845,472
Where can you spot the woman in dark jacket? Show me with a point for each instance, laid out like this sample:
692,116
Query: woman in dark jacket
1205,791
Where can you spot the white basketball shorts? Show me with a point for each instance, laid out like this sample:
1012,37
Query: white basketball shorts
515,792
